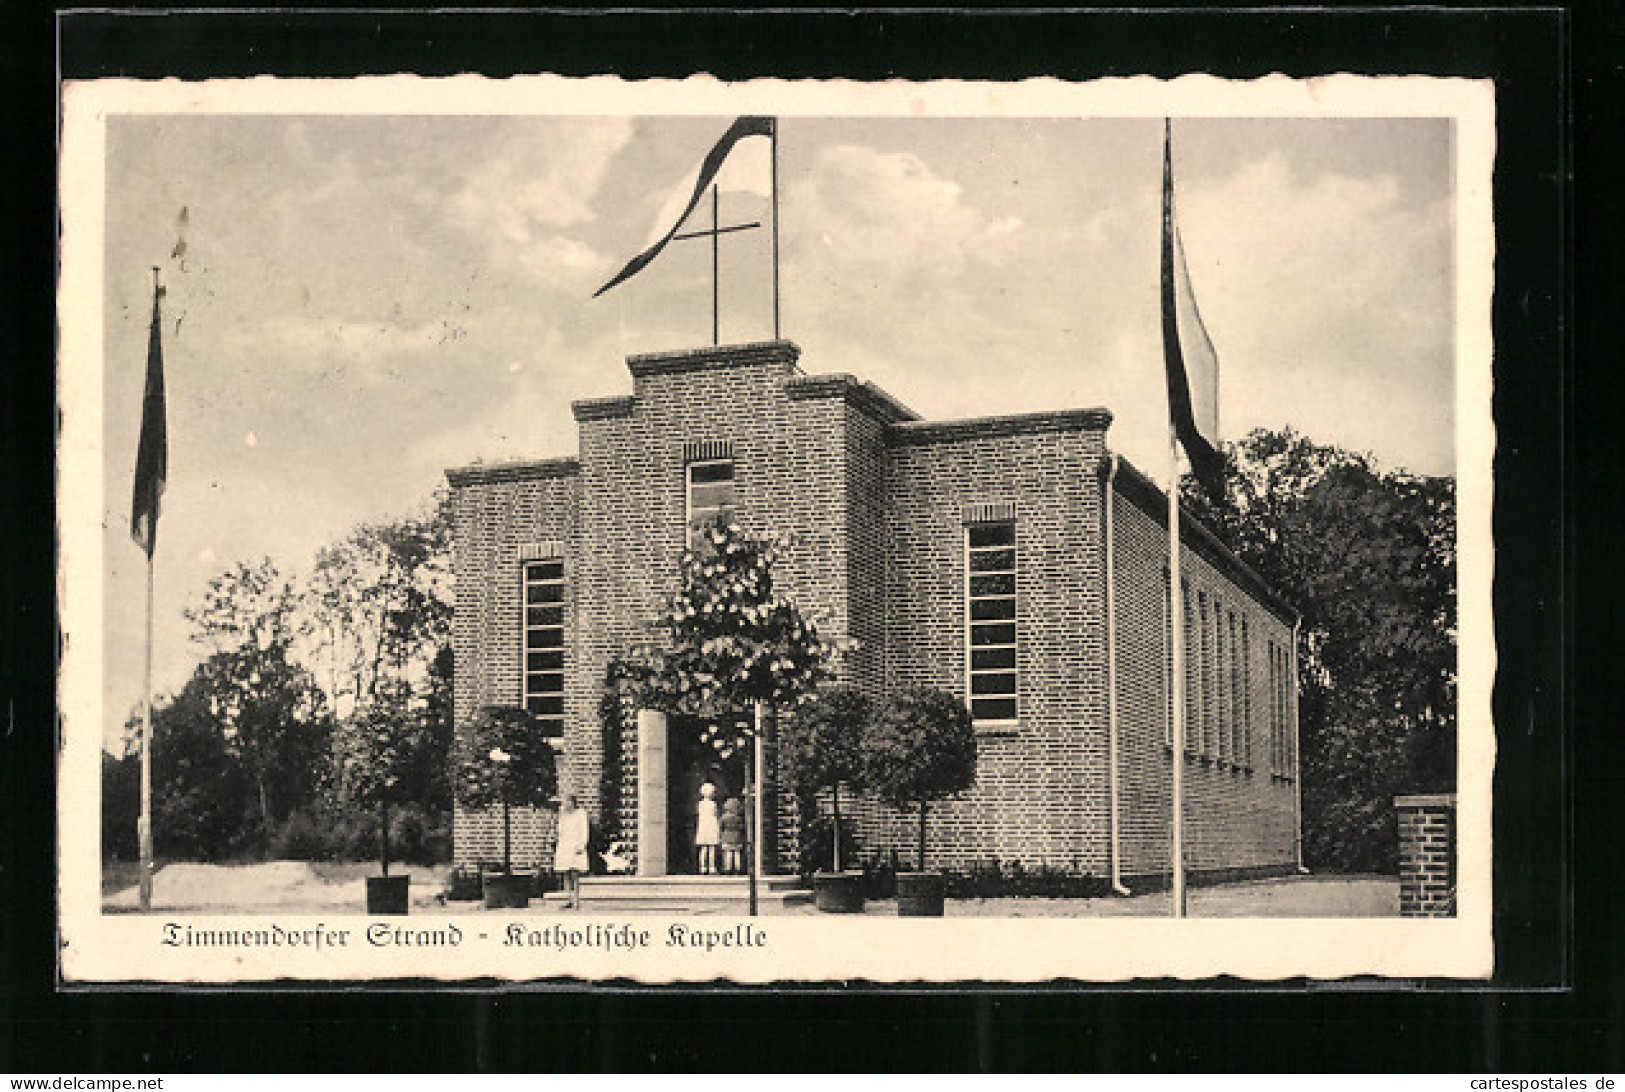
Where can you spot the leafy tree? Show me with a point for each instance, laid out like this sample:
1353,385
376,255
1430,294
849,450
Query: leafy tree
922,749
823,748
247,606
379,606
1369,559
729,641
503,759
271,719
121,804
200,791
386,754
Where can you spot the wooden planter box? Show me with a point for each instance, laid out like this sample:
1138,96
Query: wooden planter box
838,892
388,894
508,890
920,894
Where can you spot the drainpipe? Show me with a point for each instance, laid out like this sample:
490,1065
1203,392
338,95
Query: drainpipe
1113,824
1297,763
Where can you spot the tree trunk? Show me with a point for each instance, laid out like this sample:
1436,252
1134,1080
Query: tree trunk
835,818
922,835
507,840
265,804
383,834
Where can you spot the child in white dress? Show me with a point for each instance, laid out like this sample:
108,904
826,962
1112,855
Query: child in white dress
707,831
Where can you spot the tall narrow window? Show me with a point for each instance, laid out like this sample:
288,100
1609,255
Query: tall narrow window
544,644
1289,713
1238,725
1246,694
1205,740
710,495
990,622
1168,657
1193,674
1221,671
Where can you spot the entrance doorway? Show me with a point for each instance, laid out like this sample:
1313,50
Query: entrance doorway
692,763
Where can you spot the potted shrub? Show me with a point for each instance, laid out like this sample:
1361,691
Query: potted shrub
922,748
504,760
823,749
383,752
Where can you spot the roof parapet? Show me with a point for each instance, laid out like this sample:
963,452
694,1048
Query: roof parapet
1016,424
516,470
713,358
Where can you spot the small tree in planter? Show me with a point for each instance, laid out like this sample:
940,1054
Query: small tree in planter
383,756
504,760
823,747
922,749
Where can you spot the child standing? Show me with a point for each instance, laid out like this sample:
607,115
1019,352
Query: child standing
707,832
733,835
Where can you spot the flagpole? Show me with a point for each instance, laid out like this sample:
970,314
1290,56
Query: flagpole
775,229
1176,614
144,822
758,775
716,267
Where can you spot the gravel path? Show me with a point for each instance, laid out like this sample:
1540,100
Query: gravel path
298,886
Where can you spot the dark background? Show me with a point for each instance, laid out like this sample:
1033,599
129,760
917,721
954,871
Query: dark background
1555,1004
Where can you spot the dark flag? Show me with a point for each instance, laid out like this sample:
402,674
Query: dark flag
739,130
1192,365
152,457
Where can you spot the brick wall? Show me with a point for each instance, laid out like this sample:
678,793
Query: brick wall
500,512
1040,795
1427,855
1239,808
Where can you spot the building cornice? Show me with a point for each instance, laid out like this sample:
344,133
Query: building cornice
908,433
713,358
1151,499
603,409
567,466
854,392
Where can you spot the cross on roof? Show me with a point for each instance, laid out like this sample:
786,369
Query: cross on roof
714,233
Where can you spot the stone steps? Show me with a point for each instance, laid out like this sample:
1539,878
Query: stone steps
675,893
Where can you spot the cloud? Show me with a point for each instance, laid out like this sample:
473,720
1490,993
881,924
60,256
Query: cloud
1335,286
891,210
536,181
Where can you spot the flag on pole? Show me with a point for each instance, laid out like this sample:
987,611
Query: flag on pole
740,130
152,456
1192,365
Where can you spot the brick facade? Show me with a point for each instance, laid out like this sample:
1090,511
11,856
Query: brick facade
1240,808
1427,855
875,503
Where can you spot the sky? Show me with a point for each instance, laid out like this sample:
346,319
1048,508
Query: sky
355,303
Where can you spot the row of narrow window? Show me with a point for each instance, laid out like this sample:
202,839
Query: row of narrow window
1219,691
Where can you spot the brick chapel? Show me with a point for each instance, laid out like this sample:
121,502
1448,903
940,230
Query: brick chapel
1013,560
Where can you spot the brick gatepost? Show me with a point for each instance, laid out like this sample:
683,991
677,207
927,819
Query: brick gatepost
1427,855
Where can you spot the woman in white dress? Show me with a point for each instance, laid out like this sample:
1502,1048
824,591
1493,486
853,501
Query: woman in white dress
570,854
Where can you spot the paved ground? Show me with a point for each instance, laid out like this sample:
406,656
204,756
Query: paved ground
300,887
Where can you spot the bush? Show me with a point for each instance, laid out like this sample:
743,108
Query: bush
121,804
417,835
464,885
814,852
993,879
